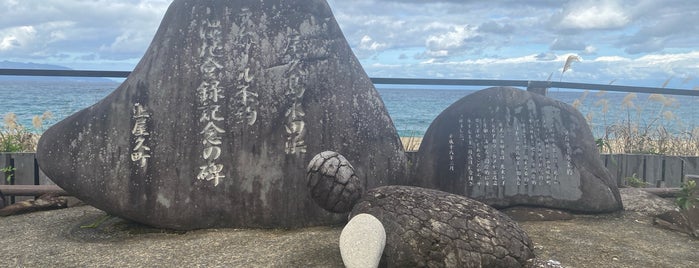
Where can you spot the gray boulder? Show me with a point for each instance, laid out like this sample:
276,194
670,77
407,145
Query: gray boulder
508,147
216,124
645,203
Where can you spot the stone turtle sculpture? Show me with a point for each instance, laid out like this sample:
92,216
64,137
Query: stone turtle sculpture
425,227
434,228
332,182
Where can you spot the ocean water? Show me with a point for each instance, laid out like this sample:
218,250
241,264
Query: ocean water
412,109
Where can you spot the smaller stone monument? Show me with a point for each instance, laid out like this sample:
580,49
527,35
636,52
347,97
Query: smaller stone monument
508,147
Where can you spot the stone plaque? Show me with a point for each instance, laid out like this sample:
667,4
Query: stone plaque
216,124
506,147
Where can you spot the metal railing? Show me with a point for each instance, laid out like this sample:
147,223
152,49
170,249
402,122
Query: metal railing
532,85
535,86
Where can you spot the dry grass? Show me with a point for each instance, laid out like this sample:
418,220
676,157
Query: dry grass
411,144
639,133
14,137
625,139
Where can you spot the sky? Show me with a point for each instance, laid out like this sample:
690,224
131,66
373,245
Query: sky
624,42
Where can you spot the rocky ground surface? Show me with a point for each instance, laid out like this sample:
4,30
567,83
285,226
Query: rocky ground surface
626,239
55,239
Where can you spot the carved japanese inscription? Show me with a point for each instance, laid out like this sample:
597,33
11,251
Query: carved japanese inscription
506,147
295,125
140,151
210,91
531,158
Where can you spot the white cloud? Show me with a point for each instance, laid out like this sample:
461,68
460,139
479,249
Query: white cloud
611,59
67,30
507,39
369,44
440,45
16,37
590,50
587,15
692,56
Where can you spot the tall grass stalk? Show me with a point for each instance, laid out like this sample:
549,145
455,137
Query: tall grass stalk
14,137
646,135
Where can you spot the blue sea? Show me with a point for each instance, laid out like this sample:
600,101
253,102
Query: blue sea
412,108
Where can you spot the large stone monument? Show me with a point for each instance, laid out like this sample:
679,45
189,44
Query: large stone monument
216,124
507,147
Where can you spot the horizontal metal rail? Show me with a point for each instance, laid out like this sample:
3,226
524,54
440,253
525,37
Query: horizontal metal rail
532,84
31,190
73,73
401,81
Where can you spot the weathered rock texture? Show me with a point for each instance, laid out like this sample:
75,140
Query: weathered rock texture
333,183
216,124
640,201
430,228
506,147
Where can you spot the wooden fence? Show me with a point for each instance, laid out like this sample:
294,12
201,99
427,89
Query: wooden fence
22,169
656,170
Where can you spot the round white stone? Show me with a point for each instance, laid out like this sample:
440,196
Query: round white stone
362,242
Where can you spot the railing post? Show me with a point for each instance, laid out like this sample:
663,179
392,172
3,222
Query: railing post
537,87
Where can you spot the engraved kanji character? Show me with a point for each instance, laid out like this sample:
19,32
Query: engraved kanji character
209,113
139,145
295,112
209,67
211,171
245,76
295,87
140,156
209,90
211,132
245,95
211,153
140,128
139,111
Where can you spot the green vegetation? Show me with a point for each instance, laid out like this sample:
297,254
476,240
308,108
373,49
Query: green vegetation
635,182
686,199
603,145
14,137
9,172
